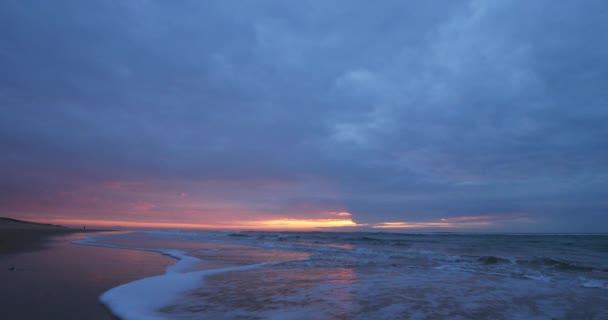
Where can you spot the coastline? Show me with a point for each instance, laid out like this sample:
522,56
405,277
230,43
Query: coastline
62,280
18,236
17,241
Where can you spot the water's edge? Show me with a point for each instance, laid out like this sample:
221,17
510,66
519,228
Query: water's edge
138,300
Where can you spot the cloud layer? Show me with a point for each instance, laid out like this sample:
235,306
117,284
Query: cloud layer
400,112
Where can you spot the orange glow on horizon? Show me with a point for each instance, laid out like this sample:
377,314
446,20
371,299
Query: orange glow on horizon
417,225
337,220
453,222
272,224
485,217
302,224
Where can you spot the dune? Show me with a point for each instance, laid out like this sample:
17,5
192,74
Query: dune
20,236
14,224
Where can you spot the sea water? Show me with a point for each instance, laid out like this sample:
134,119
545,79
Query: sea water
359,275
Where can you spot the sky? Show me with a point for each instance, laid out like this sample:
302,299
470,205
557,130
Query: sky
327,115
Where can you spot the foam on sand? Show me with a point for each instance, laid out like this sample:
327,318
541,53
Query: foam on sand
143,298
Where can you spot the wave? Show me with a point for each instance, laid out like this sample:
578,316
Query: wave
592,283
492,260
368,256
141,299
548,262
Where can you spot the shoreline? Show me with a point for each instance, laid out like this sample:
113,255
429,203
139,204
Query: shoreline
43,268
17,241
19,236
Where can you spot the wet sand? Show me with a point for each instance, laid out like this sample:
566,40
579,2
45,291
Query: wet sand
45,276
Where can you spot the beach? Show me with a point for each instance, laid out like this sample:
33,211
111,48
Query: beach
168,274
341,275
45,276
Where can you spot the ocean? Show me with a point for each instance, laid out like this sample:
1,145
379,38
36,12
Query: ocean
360,275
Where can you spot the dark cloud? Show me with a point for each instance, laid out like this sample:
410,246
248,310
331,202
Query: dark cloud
393,111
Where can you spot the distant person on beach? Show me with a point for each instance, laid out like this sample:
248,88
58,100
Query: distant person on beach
84,228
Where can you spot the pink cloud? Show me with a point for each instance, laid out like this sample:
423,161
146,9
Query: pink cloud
143,206
477,221
123,184
486,217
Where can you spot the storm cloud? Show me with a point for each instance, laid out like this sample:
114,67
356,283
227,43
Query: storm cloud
399,111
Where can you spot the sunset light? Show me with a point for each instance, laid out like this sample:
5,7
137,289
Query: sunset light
351,159
420,225
273,224
301,224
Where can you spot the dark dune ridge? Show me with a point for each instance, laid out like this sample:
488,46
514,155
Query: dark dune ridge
18,236
10,223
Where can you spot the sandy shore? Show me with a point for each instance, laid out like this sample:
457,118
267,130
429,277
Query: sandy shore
17,236
19,241
45,276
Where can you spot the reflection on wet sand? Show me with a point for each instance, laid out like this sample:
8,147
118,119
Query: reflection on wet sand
266,290
213,255
65,280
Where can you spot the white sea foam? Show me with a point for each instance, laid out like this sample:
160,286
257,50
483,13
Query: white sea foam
142,299
588,283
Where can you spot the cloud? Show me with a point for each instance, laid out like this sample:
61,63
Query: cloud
394,112
486,222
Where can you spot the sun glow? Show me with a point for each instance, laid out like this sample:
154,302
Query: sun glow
270,224
417,225
302,224
327,220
